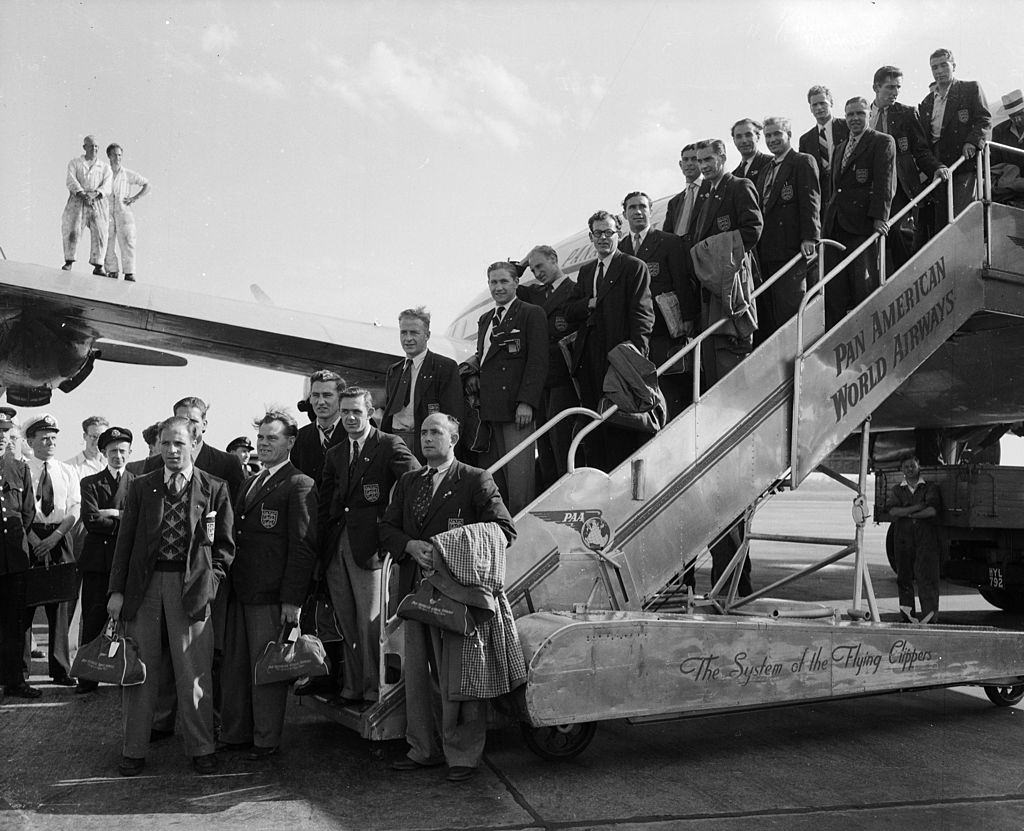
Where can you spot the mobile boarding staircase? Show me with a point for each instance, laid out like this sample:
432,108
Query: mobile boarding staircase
596,549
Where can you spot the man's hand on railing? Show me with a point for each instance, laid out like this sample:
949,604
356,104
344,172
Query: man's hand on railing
809,248
881,226
969,150
524,414
942,173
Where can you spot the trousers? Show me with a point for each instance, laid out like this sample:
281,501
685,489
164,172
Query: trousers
76,215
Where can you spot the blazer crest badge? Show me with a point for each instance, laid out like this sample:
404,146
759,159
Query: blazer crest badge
268,518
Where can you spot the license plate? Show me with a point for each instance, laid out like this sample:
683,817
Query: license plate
995,578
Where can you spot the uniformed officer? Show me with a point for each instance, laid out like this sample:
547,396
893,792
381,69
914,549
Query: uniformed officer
17,512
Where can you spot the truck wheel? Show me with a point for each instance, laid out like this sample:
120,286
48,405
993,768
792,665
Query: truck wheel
890,548
562,741
1002,599
1005,696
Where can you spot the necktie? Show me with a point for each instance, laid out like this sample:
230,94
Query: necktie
636,244
499,313
258,483
849,151
353,458
688,200
600,278
46,490
400,400
175,485
769,180
704,214
883,120
325,436
823,149
424,493
548,291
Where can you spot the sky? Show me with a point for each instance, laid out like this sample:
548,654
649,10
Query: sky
358,158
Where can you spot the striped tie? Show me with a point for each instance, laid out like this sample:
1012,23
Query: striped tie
823,148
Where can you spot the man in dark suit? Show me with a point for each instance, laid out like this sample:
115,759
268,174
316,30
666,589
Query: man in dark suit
314,440
512,363
420,384
1010,133
173,550
553,293
791,207
103,496
149,436
674,292
614,306
745,134
913,152
354,489
275,547
863,184
19,511
725,203
210,459
823,138
680,206
956,120
447,495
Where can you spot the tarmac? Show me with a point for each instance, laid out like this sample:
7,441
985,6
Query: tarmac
937,759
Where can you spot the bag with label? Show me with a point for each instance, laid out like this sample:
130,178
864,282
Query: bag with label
111,658
51,583
291,656
318,615
431,606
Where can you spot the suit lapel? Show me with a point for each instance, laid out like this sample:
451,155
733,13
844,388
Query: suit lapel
610,276
505,325
366,453
153,499
444,492
423,379
780,178
952,104
714,200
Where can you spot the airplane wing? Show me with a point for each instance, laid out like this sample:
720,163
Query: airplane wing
51,320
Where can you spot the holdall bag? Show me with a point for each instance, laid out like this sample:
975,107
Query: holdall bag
317,615
51,583
431,606
111,658
291,656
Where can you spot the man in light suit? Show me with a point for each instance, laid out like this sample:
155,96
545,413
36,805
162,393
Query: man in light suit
863,184
103,496
614,306
314,440
745,134
512,362
173,549
553,293
680,206
956,120
357,480
791,207
672,279
821,140
446,495
275,548
420,384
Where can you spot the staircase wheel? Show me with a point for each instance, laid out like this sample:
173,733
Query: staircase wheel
1005,696
559,742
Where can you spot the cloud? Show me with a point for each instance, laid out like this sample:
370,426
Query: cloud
648,153
453,94
219,38
262,84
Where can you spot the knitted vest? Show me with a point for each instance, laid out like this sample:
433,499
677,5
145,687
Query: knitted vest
174,530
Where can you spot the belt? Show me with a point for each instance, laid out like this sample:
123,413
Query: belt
169,565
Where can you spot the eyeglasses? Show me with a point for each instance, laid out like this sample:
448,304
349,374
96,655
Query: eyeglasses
604,234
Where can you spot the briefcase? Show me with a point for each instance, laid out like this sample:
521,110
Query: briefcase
111,658
431,606
291,656
52,583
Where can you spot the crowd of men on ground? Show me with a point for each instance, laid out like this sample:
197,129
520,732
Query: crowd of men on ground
205,561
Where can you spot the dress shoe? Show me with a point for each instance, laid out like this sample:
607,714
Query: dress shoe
460,774
98,271
63,681
159,735
65,267
258,754
322,685
37,654
112,275
23,691
231,747
130,766
205,765
86,687
130,278
406,764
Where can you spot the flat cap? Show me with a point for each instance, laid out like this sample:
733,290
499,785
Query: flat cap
241,441
43,421
112,434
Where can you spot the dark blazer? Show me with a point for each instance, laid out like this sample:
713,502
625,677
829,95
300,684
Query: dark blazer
19,512
275,539
465,495
791,209
138,467
809,144
668,262
213,461
913,151
514,362
966,120
760,162
357,502
438,390
99,490
1003,134
138,540
734,207
673,209
308,453
556,308
624,310
863,191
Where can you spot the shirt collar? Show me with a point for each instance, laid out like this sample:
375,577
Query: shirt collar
643,234
330,427
270,471
417,361
607,259
554,286
443,468
187,473
117,474
361,438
